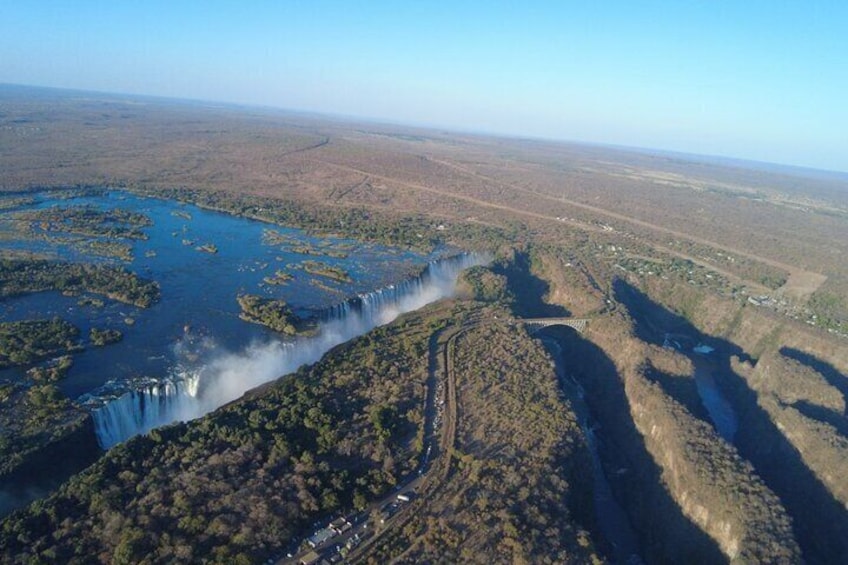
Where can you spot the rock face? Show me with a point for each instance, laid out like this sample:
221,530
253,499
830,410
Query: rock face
690,494
520,482
788,385
666,534
777,493
71,448
715,488
810,413
790,430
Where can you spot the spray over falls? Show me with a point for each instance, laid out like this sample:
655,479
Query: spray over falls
194,390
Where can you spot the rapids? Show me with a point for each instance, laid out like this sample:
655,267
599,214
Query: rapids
192,390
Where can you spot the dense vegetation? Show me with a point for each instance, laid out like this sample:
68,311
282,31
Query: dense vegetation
484,285
326,248
16,202
829,310
238,484
279,278
686,232
51,372
408,230
44,439
312,250
519,481
30,418
105,336
324,270
23,343
87,221
21,276
269,312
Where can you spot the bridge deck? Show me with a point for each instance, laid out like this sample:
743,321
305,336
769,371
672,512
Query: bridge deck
534,324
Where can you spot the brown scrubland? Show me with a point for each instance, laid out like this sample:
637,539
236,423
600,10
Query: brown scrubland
659,252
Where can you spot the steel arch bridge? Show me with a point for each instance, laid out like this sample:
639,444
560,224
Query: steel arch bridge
535,324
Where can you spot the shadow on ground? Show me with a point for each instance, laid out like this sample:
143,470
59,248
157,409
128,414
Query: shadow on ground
820,522
833,377
665,534
529,290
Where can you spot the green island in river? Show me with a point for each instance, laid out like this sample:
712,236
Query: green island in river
274,314
648,364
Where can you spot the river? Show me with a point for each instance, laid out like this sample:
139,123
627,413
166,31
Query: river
610,517
190,352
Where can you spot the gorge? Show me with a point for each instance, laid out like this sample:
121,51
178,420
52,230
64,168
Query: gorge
192,391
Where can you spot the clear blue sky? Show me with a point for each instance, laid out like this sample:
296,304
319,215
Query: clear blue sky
765,80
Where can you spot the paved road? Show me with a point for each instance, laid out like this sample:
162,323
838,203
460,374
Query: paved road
439,420
437,468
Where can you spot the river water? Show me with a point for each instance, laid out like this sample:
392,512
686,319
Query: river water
610,517
170,350
215,377
719,409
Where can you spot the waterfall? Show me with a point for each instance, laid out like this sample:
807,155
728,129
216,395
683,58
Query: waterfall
192,391
144,408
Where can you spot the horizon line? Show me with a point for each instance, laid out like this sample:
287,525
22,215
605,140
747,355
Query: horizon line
715,159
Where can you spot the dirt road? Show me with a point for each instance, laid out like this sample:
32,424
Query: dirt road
800,284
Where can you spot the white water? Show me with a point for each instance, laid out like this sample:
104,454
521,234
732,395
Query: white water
224,376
